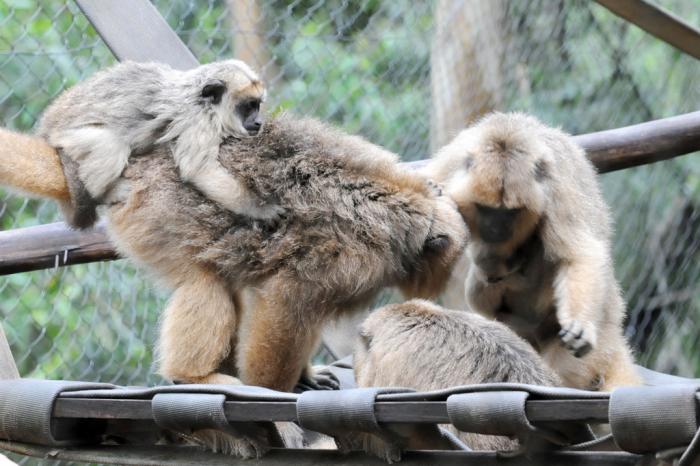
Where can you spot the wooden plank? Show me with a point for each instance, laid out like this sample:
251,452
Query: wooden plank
658,22
192,456
52,245
8,368
44,246
428,412
135,30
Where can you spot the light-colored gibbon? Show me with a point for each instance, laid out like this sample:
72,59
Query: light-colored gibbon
539,245
422,346
356,222
129,108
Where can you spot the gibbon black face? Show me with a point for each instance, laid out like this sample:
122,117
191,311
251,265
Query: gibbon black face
496,225
249,112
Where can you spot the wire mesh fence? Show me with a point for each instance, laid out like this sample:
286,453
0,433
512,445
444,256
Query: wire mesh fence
406,75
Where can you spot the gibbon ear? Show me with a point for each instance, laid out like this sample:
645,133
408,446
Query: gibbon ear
436,244
213,91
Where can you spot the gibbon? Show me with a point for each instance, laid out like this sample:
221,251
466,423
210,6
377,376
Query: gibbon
250,298
539,245
130,108
423,346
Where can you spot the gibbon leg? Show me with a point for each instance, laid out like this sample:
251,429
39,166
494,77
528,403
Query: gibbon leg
277,346
87,146
196,331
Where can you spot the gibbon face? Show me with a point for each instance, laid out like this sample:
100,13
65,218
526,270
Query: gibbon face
497,174
233,92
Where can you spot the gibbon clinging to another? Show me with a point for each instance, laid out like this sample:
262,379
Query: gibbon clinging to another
540,245
130,108
357,222
422,346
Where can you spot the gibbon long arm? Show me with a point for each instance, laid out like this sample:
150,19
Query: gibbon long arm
30,165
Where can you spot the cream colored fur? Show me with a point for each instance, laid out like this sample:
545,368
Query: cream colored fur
555,271
130,107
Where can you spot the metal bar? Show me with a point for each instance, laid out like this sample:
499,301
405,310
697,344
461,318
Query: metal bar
135,30
427,412
658,22
190,456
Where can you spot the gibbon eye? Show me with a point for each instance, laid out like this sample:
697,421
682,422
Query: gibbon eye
252,105
248,107
213,91
468,162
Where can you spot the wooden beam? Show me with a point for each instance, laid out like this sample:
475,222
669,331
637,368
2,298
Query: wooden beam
658,22
52,245
644,143
170,455
135,30
46,246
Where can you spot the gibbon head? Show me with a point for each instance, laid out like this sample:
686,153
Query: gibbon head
442,246
232,92
497,171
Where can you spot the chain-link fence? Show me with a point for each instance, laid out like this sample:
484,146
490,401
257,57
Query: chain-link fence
406,75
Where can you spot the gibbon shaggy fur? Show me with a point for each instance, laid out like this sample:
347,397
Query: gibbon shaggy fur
250,298
540,245
423,346
357,222
130,108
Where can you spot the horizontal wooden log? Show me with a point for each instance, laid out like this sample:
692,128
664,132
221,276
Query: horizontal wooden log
164,455
430,412
658,22
52,245
55,245
644,143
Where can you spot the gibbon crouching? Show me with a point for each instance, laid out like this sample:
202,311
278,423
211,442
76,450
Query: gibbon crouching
422,346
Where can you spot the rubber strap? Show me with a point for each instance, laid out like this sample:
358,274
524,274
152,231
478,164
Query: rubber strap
26,408
650,419
187,412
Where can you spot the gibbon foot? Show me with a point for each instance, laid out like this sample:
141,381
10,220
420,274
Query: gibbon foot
313,379
577,338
